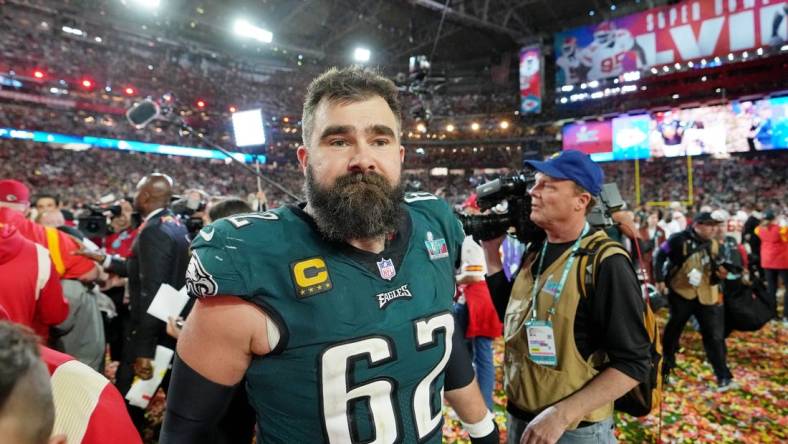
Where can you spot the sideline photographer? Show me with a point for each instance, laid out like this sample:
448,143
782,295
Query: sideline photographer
567,358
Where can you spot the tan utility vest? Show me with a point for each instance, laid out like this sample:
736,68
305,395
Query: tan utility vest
700,260
532,387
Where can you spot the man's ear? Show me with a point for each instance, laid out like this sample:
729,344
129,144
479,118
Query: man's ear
302,153
584,199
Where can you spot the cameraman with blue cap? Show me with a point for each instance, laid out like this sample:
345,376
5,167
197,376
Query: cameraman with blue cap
568,358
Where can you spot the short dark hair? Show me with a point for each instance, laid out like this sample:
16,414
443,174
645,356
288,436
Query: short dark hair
25,390
352,84
228,207
18,353
54,197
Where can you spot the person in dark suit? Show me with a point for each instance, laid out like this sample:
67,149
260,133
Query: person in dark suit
159,255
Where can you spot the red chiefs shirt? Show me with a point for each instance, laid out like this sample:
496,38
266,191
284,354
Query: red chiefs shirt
28,298
482,317
89,409
68,265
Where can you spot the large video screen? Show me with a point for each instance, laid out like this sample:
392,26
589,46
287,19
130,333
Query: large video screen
592,138
693,131
687,30
718,130
761,125
630,137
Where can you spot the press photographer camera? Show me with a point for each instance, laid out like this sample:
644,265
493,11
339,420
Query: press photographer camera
94,220
510,193
189,210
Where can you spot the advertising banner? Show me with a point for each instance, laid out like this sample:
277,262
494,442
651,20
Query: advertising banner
531,80
630,137
592,138
687,30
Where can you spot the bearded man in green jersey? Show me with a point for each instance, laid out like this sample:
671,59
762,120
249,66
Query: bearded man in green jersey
338,310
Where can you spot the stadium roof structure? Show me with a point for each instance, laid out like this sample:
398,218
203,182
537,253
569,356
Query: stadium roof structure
326,31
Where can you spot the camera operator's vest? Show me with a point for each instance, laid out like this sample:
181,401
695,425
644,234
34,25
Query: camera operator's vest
532,387
700,260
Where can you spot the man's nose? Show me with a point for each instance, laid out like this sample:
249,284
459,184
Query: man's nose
363,158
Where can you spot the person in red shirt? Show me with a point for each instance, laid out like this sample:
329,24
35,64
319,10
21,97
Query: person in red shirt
88,409
14,203
774,257
476,315
30,289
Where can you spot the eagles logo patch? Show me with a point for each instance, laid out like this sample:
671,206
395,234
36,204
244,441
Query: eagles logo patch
199,282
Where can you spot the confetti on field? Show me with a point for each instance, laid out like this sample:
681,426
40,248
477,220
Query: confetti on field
692,410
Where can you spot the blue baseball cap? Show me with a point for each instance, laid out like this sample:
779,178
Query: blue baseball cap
572,165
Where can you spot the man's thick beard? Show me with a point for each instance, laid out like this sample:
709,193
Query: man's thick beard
357,206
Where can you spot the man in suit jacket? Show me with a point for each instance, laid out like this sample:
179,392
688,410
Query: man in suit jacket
159,255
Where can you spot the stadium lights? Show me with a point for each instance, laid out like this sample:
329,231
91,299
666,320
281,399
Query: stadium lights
665,68
72,31
784,48
87,83
654,70
677,65
567,88
130,91
597,95
201,104
475,126
449,128
420,127
361,54
633,76
583,86
703,79
690,64
245,29
593,83
717,59
564,100
730,56
38,74
745,54
675,96
759,51
702,62
98,39
504,124
148,4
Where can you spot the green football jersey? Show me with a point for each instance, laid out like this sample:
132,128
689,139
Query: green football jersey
365,337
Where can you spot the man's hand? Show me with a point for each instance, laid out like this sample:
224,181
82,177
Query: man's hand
661,288
546,428
143,368
96,256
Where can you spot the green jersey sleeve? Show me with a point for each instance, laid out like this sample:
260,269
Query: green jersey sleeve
212,270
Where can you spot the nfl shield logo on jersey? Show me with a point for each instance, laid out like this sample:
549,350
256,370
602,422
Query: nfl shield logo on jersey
386,268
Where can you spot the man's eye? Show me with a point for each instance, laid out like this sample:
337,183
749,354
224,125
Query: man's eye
338,142
381,142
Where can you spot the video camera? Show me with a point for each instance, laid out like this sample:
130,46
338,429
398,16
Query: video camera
185,209
94,219
511,192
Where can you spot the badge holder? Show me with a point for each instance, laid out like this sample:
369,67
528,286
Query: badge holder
541,342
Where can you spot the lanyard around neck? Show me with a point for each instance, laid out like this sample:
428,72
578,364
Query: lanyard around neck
561,283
